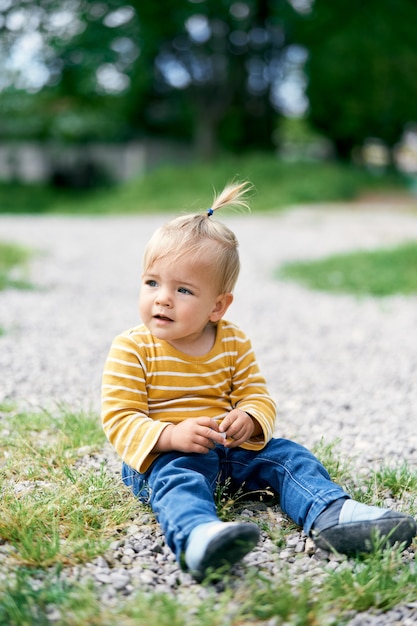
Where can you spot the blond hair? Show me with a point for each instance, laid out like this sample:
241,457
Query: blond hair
199,236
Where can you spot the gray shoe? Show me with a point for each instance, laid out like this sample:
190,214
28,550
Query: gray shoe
356,537
217,544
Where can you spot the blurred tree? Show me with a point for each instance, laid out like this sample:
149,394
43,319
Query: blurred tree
362,68
207,69
66,62
223,61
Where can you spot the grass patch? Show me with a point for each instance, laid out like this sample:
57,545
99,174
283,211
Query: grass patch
27,600
13,266
171,188
397,481
58,510
377,273
35,199
53,509
380,583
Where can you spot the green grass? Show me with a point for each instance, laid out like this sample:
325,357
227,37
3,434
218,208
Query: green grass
57,511
14,268
339,467
379,583
395,481
17,198
379,273
278,184
52,511
13,265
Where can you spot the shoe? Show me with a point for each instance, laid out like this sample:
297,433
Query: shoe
359,536
218,544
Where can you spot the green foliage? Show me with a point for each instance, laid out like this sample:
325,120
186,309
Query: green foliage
110,62
13,265
362,69
106,70
278,184
378,273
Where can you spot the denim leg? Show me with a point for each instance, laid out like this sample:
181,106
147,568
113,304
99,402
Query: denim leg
299,479
180,489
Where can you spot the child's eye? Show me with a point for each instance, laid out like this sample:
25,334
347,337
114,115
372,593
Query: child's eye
151,283
184,290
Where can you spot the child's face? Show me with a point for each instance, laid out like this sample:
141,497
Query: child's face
178,300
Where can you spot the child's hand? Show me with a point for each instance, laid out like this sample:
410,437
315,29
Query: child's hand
195,435
238,426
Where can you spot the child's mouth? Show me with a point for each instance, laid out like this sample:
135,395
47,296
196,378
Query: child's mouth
164,318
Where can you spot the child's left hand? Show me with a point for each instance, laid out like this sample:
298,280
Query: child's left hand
238,426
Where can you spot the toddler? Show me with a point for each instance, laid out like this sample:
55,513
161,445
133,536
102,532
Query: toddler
186,407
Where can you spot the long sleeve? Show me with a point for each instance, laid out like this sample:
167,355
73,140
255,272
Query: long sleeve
148,384
250,394
125,413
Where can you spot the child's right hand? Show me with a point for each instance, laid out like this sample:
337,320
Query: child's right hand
197,435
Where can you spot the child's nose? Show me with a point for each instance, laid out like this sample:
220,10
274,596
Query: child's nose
163,297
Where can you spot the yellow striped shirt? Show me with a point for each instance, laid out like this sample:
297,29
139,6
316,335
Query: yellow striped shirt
148,384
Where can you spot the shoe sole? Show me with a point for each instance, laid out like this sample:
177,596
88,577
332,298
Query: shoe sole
359,537
227,548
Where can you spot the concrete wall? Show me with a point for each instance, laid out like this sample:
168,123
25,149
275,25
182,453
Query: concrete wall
36,162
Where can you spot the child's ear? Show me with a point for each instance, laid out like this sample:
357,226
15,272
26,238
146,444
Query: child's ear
220,307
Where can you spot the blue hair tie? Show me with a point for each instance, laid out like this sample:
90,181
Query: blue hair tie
210,211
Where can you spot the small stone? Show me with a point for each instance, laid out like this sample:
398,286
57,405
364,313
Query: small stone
300,547
102,577
126,560
129,552
157,548
133,529
292,541
286,554
54,615
147,577
119,579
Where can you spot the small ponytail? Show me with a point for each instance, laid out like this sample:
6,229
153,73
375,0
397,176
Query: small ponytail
233,195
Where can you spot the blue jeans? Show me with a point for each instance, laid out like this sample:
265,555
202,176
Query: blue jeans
180,487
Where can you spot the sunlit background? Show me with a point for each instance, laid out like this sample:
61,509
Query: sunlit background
100,92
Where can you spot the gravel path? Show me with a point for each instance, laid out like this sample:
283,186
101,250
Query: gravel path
339,367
